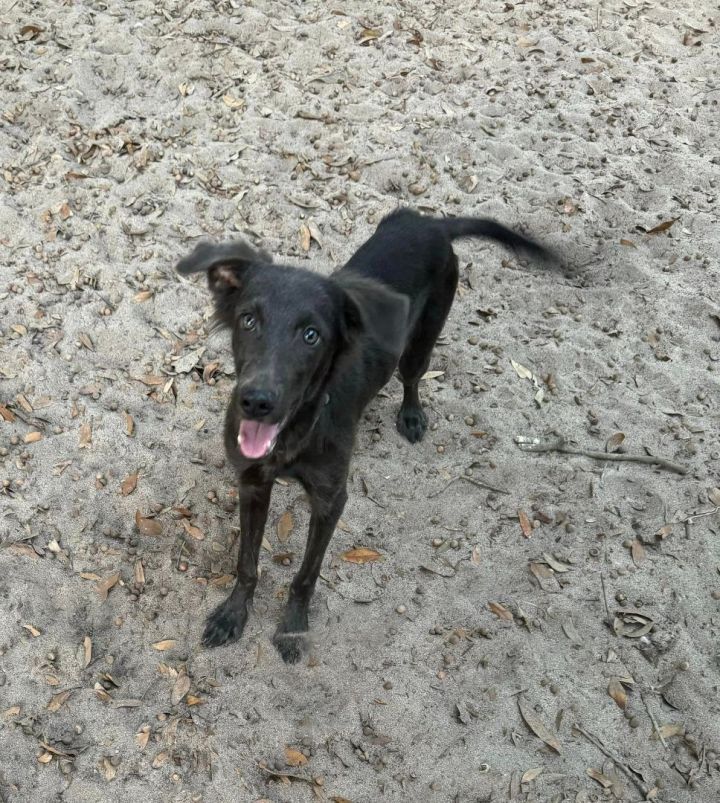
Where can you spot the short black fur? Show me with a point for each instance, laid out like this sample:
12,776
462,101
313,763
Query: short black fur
384,309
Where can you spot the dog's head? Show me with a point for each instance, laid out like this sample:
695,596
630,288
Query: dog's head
291,329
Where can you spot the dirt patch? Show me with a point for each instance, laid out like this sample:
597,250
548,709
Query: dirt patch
540,627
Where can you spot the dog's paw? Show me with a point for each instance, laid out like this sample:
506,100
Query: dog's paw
226,623
412,423
291,646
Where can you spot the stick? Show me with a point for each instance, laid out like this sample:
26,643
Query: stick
653,720
472,481
534,445
624,767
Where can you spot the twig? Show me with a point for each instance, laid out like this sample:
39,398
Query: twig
618,763
472,481
653,720
289,775
607,610
559,445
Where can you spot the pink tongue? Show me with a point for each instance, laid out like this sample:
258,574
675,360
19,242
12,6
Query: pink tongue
255,439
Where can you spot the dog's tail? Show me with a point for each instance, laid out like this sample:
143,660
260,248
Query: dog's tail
456,227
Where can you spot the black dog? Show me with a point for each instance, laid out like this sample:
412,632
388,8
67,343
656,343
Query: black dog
310,353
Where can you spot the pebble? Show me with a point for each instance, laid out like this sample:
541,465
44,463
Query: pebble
401,609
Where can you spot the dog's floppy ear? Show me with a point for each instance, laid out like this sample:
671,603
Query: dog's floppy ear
224,263
373,310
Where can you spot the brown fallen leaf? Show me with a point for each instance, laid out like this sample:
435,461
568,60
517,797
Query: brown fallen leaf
180,689
714,496
129,425
668,731
58,700
537,726
628,243
143,295
142,737
165,644
596,775
637,550
193,531
525,524
32,630
87,651
222,581
191,699
129,484
305,238
617,691
501,611
33,437
361,555
45,758
664,532
147,526
475,556
294,758
160,759
13,711
139,573
90,576
104,586
6,414
85,435
661,227
614,442
531,775
284,527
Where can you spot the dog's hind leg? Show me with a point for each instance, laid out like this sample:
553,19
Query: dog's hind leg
411,420
290,634
227,621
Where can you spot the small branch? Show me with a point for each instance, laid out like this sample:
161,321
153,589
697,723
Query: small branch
472,481
618,763
559,445
653,720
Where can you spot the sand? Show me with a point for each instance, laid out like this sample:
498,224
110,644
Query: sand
536,621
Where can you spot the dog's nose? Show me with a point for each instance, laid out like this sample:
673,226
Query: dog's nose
256,402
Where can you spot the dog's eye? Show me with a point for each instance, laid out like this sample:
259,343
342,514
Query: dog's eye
248,321
311,336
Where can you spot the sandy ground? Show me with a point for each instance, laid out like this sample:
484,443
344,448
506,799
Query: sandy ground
537,621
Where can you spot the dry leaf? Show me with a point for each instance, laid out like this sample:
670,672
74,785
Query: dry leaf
165,644
193,531
139,573
537,727
475,556
90,576
361,555
58,701
142,737
129,425
294,758
714,496
614,442
521,370
668,731
45,758
6,414
87,651
617,691
432,375
147,526
525,524
664,532
531,775
104,586
33,437
19,329
109,772
13,711
637,550
628,243
661,227
305,237
501,611
85,435
129,484
284,527
596,775
180,689
233,103
555,564
32,630
191,699
160,759
143,295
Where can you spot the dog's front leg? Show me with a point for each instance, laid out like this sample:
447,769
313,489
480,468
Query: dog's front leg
290,635
227,621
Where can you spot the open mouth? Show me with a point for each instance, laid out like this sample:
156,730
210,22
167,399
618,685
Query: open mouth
257,439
